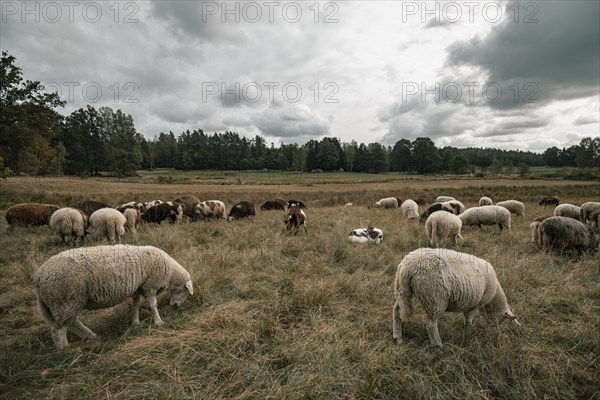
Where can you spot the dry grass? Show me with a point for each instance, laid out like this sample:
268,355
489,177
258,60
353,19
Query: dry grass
276,316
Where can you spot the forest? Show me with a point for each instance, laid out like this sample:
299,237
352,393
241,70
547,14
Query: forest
35,138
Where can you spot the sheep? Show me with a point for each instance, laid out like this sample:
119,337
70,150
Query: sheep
89,206
564,233
296,218
348,205
446,280
188,204
162,211
365,235
210,209
587,209
152,203
533,226
514,206
243,209
108,222
443,199
595,219
485,201
292,203
99,277
486,215
441,226
410,210
132,217
132,204
438,207
549,201
421,201
69,224
389,202
457,206
29,214
273,204
568,210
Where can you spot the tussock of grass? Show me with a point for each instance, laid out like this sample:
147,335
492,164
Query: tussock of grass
276,316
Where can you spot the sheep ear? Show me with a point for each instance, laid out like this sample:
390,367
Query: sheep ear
189,286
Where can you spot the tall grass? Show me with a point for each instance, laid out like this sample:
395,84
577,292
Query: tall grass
277,316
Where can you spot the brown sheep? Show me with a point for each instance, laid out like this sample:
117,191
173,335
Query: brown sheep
29,214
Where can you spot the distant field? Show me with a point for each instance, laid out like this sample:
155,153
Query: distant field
309,316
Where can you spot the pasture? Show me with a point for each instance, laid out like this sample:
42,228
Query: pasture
275,316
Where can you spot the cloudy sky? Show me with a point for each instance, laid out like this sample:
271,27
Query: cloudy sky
512,75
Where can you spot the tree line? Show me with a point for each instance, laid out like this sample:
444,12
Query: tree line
36,139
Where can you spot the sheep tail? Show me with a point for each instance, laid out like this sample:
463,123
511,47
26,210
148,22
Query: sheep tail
404,297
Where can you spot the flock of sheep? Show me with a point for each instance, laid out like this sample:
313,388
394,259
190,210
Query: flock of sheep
442,280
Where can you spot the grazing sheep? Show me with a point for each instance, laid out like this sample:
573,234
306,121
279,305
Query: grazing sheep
533,226
446,280
486,215
365,235
595,219
410,210
457,206
422,201
99,277
89,206
435,207
587,209
563,233
485,201
162,211
152,203
29,214
210,209
443,199
188,203
549,201
243,209
389,202
514,206
132,204
348,205
292,203
295,219
132,217
441,226
69,224
109,222
568,210
273,204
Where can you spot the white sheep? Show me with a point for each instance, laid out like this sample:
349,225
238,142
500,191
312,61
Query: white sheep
103,276
514,206
486,215
410,210
389,202
109,222
568,210
348,205
586,211
457,206
446,280
441,226
443,199
485,201
132,218
69,224
365,235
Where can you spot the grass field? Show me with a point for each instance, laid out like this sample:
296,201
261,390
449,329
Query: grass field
309,316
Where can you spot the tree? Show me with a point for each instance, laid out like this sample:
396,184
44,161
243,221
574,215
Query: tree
401,158
459,164
28,120
350,154
425,155
81,135
328,156
124,153
587,154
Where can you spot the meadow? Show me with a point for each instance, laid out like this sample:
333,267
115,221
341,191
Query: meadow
275,316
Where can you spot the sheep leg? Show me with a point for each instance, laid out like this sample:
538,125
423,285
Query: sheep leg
151,297
468,324
397,325
135,320
432,330
81,330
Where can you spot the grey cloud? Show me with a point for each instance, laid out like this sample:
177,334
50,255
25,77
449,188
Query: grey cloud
290,120
559,53
584,120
